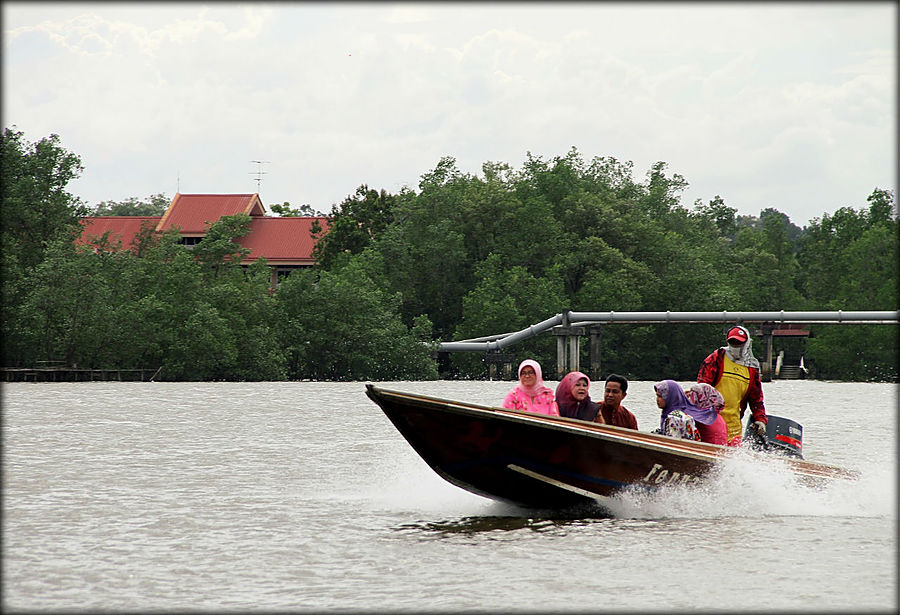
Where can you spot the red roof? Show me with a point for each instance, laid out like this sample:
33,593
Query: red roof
122,229
193,213
283,241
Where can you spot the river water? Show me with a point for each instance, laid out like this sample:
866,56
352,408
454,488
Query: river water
302,496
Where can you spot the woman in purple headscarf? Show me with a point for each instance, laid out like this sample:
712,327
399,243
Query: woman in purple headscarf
681,418
531,395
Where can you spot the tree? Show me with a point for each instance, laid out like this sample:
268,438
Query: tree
354,224
662,193
36,207
154,205
849,261
285,210
36,212
504,300
339,325
219,247
723,216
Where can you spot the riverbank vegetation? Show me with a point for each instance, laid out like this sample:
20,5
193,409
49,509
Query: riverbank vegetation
463,255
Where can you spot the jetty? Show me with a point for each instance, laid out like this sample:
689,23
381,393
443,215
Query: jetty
63,373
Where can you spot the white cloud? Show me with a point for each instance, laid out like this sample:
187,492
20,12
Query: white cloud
788,106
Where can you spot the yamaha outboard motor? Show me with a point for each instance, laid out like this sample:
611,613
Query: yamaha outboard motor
782,436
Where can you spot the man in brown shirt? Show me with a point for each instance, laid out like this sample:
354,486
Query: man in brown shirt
612,410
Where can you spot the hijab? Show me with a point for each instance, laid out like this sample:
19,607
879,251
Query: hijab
742,355
705,396
675,399
585,409
538,386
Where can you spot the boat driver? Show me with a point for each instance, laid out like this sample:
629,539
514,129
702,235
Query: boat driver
734,371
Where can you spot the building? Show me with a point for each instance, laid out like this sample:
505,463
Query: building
285,242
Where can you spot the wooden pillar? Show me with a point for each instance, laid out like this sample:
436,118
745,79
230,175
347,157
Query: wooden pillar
765,368
595,353
574,344
568,348
561,363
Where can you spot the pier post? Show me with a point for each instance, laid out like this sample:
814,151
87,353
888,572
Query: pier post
561,362
568,346
595,333
765,369
574,343
562,365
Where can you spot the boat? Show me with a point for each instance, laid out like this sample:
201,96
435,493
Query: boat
550,462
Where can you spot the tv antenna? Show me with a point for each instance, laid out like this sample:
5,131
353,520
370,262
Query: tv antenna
259,172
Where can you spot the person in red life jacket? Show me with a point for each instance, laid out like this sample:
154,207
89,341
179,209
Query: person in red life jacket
612,412
734,371
531,395
574,400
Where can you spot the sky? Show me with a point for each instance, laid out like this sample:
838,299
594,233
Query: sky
791,106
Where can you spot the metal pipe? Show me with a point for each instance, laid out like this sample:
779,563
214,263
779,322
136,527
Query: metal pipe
840,316
486,338
512,338
833,317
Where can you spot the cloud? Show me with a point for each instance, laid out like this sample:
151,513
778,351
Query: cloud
787,106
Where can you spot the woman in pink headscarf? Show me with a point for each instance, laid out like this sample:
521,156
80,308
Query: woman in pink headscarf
683,414
707,397
573,398
530,395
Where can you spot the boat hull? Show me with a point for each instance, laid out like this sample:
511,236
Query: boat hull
540,461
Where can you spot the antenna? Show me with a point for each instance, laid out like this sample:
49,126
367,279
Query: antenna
259,172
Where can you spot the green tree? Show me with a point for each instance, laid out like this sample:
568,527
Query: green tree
36,207
504,300
723,216
154,205
849,261
219,249
286,210
340,325
36,213
353,225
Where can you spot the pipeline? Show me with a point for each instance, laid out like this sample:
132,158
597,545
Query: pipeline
579,318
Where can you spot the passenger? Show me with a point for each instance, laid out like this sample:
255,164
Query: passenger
612,412
734,371
679,416
707,397
573,398
531,395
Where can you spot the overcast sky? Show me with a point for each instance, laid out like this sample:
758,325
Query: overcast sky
791,106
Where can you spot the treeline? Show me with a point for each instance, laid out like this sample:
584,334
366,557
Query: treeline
461,257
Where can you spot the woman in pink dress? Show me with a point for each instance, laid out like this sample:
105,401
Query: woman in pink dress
682,418
531,395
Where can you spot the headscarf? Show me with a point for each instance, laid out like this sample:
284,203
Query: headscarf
744,354
585,409
538,386
675,399
705,396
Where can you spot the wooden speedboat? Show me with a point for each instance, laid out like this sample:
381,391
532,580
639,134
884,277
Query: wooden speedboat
540,461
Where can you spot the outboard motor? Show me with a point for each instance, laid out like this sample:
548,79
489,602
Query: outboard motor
783,436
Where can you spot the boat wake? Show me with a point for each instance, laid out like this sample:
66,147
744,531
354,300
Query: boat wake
750,485
744,485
